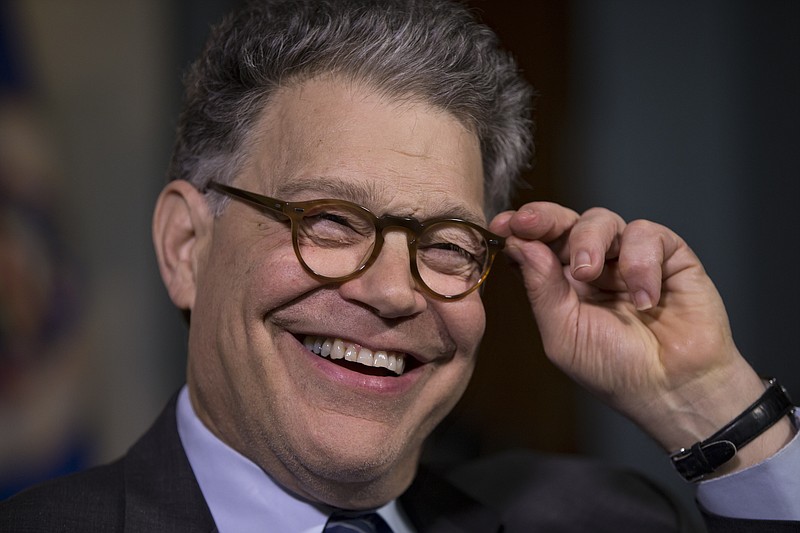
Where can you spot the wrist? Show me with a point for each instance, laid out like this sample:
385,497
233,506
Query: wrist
762,448
757,433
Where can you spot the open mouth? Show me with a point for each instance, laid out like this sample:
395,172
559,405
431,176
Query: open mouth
356,357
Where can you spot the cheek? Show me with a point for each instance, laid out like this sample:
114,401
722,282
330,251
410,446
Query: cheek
254,276
242,282
466,322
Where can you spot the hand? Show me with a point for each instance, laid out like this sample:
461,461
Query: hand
628,311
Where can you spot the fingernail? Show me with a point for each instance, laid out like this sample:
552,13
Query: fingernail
642,301
526,214
582,260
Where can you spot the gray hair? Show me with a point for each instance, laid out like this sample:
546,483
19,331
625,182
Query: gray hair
435,51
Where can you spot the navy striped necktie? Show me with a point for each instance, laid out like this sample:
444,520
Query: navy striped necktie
356,523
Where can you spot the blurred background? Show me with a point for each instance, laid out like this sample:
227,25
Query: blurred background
683,112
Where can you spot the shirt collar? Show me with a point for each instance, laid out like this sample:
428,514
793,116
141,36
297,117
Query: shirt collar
241,496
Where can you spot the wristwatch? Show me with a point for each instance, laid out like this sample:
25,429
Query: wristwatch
705,457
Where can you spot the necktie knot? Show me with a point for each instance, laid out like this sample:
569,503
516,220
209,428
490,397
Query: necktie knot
341,522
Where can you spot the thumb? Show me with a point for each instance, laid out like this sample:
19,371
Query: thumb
551,296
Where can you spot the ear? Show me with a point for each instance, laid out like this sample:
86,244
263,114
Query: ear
181,230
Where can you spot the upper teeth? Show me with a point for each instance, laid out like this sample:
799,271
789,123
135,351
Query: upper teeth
339,349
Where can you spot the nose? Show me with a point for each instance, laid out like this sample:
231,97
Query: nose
387,285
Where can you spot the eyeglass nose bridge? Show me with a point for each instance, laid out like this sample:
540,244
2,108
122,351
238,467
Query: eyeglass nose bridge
413,228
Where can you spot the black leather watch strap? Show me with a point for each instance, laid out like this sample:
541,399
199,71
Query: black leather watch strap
705,457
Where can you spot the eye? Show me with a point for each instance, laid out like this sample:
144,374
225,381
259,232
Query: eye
335,226
339,220
451,247
333,217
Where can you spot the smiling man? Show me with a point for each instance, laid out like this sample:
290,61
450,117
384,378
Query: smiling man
334,207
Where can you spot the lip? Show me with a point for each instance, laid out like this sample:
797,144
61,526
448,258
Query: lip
384,386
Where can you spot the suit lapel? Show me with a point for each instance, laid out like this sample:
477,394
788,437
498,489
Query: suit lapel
161,492
435,506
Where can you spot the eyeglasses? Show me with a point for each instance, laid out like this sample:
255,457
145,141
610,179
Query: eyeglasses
336,240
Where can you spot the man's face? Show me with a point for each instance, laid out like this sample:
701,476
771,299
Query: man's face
334,431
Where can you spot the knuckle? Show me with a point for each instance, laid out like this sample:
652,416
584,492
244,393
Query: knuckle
644,227
599,212
636,267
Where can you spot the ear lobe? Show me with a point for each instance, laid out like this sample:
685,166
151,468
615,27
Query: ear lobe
180,228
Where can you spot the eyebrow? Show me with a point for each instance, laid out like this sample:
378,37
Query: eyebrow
367,194
359,193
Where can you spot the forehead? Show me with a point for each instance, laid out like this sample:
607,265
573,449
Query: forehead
327,136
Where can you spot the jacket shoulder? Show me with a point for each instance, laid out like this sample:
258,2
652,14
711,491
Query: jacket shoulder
151,488
92,500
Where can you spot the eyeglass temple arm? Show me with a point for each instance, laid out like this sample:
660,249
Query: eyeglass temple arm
256,200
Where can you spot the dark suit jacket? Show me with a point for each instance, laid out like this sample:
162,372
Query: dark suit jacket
152,489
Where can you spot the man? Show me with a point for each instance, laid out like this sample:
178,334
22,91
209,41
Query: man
325,231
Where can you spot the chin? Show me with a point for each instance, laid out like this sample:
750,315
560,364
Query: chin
361,461
360,475
350,482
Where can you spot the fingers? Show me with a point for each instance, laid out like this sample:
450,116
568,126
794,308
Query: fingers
593,239
598,248
536,221
582,241
643,265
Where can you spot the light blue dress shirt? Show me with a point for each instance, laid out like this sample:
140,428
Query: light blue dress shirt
244,499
